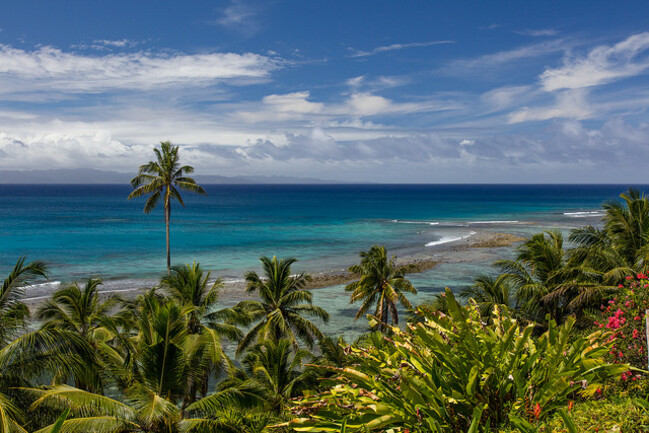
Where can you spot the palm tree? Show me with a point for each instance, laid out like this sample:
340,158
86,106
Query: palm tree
190,285
80,311
159,179
547,279
75,309
13,312
488,292
142,411
275,371
168,359
24,355
382,283
156,376
282,306
627,225
621,247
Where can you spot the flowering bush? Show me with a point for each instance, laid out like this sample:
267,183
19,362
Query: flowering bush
456,373
625,316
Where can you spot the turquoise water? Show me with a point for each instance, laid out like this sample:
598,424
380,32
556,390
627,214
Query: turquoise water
83,230
93,230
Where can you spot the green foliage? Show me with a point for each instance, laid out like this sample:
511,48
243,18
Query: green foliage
282,306
547,278
382,284
453,373
13,312
604,416
189,285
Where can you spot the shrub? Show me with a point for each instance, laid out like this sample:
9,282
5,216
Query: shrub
454,373
624,316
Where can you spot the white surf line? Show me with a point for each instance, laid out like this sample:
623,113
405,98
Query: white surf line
585,214
494,222
415,222
447,239
101,292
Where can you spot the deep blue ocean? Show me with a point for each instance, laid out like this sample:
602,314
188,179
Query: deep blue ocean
83,230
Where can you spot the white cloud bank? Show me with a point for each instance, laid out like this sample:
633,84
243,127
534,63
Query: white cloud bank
297,106
569,151
49,68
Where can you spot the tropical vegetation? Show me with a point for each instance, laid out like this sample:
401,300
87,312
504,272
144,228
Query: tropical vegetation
552,341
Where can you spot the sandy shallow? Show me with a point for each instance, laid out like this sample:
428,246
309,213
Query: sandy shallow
474,248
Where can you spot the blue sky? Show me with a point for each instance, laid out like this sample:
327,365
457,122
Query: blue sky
410,91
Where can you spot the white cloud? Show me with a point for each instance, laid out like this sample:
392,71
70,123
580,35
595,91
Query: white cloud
568,151
240,17
47,69
296,107
293,103
282,107
396,47
604,64
537,32
569,104
61,150
366,104
355,81
354,124
507,96
504,58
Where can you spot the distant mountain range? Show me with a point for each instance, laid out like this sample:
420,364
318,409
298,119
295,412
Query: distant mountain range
86,176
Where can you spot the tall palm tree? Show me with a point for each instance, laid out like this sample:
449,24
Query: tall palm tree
382,284
282,306
161,179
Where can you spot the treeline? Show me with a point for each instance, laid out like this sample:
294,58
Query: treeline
527,348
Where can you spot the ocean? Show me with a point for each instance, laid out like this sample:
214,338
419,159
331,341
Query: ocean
84,231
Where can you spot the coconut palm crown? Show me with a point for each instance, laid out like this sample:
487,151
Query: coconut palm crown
161,179
280,312
382,283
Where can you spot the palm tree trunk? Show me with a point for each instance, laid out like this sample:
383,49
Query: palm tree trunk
384,315
167,217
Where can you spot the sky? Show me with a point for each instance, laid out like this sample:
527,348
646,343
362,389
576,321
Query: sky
379,91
